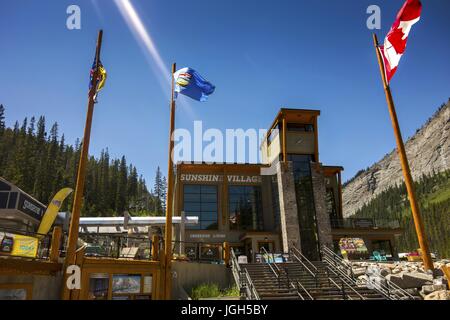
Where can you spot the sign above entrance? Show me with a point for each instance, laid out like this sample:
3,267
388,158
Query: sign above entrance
219,178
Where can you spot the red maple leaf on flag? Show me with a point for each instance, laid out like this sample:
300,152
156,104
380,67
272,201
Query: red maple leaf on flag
395,41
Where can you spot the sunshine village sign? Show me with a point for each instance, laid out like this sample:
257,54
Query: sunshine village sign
220,178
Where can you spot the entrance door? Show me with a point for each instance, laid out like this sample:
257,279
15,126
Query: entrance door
268,245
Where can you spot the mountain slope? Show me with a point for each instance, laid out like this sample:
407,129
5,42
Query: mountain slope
428,153
433,192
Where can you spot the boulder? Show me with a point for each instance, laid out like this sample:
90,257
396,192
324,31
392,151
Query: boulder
429,288
396,270
410,280
438,273
384,272
359,271
438,295
416,279
389,265
413,291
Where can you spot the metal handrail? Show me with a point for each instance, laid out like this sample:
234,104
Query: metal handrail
289,282
329,278
293,248
344,282
386,290
338,269
390,290
299,284
335,257
251,290
235,268
237,275
276,272
314,274
297,289
270,264
344,295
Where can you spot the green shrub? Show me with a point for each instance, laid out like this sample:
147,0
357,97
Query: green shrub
232,292
211,290
205,290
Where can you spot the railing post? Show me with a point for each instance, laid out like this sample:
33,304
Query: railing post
288,280
155,247
198,252
55,244
119,245
388,290
328,277
343,290
226,253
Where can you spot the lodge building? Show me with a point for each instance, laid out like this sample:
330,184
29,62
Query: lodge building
291,199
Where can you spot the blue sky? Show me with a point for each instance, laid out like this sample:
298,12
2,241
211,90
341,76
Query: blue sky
261,55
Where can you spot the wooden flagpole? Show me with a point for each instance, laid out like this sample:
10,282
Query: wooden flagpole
79,189
169,198
420,229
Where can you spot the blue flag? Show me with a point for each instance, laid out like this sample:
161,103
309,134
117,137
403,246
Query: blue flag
190,83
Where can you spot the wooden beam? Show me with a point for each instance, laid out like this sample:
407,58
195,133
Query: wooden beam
55,245
284,137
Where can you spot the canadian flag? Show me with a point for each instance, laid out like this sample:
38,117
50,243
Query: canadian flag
395,42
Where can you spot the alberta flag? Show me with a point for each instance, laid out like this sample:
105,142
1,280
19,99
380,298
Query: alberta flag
190,83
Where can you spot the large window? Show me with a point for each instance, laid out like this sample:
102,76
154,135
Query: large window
300,127
245,208
201,201
305,205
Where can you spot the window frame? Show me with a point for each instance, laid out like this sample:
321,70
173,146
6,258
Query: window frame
200,203
260,225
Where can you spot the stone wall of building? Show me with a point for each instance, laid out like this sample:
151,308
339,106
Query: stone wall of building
290,231
323,219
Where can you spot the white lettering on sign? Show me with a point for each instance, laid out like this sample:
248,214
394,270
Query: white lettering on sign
28,205
201,177
200,235
244,179
219,178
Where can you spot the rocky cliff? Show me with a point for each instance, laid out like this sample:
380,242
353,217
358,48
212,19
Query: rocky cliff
428,151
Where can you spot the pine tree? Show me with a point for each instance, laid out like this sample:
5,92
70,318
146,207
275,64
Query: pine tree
121,203
163,194
41,164
3,146
158,192
2,119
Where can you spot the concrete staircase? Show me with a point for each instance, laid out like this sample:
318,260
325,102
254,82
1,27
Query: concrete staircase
268,285
298,281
